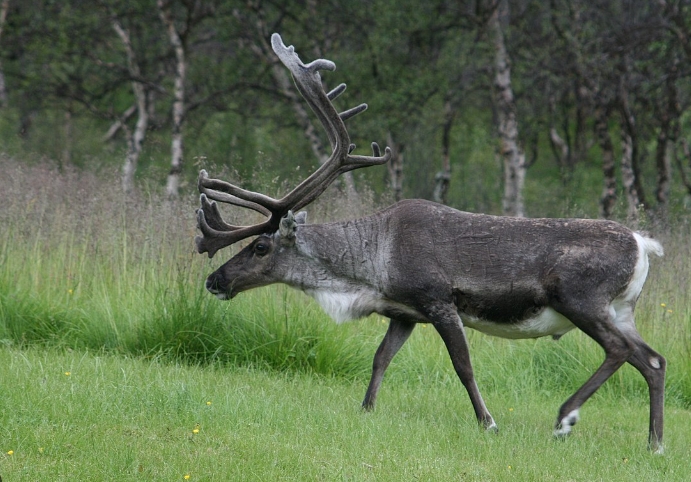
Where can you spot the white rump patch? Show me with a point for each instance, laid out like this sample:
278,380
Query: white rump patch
621,308
640,271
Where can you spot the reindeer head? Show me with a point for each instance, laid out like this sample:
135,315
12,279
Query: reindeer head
264,261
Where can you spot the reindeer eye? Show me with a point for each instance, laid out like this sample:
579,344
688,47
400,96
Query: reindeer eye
261,249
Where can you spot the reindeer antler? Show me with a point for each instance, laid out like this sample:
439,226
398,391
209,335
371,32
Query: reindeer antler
216,233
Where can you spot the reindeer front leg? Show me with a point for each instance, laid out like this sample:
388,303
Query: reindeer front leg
449,325
396,336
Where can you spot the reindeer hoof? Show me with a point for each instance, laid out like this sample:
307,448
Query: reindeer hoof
564,426
489,425
656,448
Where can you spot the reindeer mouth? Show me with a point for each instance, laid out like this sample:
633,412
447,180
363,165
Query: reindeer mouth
215,285
223,295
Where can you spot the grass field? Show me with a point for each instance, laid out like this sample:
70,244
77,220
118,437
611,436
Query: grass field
117,365
70,415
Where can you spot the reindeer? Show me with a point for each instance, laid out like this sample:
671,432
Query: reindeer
421,262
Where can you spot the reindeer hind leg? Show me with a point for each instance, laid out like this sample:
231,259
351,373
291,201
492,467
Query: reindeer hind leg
600,325
650,364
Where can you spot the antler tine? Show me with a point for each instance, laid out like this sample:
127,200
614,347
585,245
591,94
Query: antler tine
212,239
216,233
222,196
212,216
350,112
345,115
356,162
340,88
229,193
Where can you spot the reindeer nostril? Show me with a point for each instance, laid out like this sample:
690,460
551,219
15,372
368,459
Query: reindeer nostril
213,283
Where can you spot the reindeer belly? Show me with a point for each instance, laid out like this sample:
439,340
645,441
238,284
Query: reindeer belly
544,323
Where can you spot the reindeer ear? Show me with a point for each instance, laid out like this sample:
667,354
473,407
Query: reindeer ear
288,226
301,217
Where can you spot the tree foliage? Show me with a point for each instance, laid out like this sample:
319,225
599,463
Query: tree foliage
601,92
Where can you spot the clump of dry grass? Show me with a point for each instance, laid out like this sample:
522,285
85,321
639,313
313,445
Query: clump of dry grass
44,204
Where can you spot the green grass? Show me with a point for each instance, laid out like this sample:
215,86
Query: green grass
69,415
111,292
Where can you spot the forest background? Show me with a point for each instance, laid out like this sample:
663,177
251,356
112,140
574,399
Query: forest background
579,108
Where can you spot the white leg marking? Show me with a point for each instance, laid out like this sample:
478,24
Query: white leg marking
566,423
655,362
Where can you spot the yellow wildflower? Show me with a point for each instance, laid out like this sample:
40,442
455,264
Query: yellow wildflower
10,452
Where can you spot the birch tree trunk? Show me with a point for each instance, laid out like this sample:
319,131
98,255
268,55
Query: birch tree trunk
630,138
118,123
628,178
443,178
630,173
608,199
512,154
176,148
395,167
134,139
560,147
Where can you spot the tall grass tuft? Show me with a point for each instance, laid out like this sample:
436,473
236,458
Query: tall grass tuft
82,267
